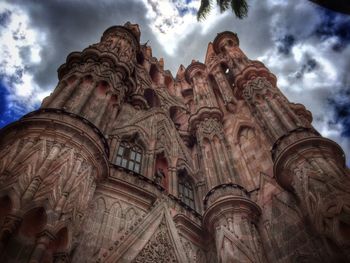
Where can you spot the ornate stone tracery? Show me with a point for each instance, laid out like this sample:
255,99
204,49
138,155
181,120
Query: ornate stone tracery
158,249
125,163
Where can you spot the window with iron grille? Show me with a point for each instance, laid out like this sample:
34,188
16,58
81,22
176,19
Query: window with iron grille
186,193
129,156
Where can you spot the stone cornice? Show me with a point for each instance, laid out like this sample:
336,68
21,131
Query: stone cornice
240,191
66,127
227,206
113,29
315,147
311,146
204,113
93,54
254,70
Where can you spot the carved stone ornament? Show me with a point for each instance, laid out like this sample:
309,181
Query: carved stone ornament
158,249
125,163
257,86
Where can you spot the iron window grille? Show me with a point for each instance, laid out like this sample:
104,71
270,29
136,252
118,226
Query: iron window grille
129,156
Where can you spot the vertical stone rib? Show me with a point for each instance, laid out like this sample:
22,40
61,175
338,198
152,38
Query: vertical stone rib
90,87
266,124
282,115
64,94
102,111
41,173
48,100
218,167
40,248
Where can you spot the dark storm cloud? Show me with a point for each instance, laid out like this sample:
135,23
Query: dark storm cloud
309,65
73,25
341,105
5,18
274,32
255,37
285,44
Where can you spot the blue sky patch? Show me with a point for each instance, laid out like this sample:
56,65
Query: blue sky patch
334,25
341,106
5,18
7,113
285,44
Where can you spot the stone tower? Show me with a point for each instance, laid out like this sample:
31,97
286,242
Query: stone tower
125,163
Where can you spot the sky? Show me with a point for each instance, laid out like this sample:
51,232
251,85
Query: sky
306,46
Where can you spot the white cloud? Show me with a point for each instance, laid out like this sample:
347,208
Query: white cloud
174,21
167,22
20,48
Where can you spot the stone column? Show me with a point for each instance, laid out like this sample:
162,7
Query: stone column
41,245
173,180
313,169
62,174
261,96
231,217
64,91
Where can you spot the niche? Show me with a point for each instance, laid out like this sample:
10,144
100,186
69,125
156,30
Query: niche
33,222
155,75
161,171
151,98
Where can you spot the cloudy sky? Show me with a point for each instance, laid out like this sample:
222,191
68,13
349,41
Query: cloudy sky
304,45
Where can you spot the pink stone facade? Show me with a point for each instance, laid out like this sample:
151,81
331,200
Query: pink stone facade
124,162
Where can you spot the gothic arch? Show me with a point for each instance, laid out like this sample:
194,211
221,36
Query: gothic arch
13,196
114,221
130,152
241,124
133,131
96,215
186,188
163,142
135,137
34,221
41,204
24,239
130,217
183,164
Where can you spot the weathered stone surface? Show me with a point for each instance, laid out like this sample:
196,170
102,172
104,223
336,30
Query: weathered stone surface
125,163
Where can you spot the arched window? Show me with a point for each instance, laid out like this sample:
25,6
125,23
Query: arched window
186,192
129,156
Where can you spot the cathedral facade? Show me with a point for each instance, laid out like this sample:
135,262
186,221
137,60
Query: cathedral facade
125,163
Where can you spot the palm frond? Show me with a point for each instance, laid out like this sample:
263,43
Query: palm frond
204,9
223,5
240,8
